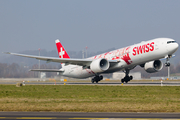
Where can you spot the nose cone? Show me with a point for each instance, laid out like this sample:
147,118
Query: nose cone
176,46
173,48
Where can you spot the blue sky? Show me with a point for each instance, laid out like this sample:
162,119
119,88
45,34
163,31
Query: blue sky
98,24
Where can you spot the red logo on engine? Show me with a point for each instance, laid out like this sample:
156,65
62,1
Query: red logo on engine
143,48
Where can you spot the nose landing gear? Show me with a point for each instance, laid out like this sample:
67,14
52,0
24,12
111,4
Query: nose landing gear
167,63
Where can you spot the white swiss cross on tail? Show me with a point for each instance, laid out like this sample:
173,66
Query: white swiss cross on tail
61,51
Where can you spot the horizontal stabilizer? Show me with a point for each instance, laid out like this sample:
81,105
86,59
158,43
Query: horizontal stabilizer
47,70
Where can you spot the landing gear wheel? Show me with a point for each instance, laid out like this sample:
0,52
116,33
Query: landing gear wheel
100,77
92,80
167,64
127,78
122,80
97,79
131,77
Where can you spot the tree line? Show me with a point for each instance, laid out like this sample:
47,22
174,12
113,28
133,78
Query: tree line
15,70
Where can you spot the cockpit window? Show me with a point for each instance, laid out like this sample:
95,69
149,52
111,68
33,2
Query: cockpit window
171,42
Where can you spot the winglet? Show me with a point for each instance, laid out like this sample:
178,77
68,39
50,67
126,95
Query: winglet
61,51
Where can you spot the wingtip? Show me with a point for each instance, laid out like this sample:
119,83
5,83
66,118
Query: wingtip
6,52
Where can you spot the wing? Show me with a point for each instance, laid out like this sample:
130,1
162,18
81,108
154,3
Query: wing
82,62
47,70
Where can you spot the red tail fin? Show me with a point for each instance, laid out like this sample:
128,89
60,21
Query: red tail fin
61,51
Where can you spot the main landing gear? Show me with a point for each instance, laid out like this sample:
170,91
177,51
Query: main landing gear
127,78
97,79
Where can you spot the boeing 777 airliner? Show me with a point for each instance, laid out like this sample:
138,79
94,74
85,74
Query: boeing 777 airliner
147,54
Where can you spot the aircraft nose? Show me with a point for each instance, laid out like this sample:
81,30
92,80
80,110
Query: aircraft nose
176,46
173,48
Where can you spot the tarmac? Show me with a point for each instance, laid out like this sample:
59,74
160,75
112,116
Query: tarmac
36,81
88,116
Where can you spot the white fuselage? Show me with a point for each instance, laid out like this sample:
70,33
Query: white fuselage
129,57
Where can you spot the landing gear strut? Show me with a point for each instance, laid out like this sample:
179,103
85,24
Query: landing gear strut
127,78
97,79
167,64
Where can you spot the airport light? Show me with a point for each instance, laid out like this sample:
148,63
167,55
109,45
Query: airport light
82,54
168,72
39,65
86,51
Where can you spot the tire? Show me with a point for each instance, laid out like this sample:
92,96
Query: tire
167,64
100,77
122,80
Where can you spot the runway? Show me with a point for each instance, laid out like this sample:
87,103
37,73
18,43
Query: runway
111,83
100,83
86,116
49,81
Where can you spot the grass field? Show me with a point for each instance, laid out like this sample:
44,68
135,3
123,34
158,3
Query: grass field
90,98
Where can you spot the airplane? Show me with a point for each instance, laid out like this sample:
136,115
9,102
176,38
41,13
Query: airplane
147,54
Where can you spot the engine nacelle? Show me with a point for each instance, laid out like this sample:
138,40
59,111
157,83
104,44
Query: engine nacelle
153,66
99,65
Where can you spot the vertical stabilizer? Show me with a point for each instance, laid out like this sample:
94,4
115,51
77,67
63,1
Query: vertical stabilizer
61,51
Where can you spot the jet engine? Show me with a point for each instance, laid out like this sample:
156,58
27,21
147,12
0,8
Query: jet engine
99,65
153,66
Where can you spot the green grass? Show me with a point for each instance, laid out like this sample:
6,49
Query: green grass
90,98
